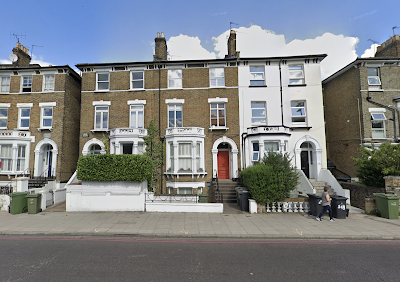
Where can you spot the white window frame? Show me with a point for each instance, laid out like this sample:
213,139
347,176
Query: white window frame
21,107
100,82
298,108
296,74
255,154
43,108
132,105
266,151
174,81
21,158
215,79
27,84
8,159
183,157
378,117
49,82
257,77
4,107
218,102
374,80
98,105
175,109
254,117
5,82
137,80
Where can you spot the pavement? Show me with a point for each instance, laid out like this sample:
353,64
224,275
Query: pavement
233,223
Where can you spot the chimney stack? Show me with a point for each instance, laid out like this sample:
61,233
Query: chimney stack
161,48
390,48
23,56
232,53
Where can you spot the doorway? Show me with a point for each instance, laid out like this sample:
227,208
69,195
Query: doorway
307,159
47,160
223,164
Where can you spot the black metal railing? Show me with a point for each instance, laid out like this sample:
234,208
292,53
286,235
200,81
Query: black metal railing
7,189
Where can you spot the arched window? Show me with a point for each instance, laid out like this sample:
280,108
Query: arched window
95,149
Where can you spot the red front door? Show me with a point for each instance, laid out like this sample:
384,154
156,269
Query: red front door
223,164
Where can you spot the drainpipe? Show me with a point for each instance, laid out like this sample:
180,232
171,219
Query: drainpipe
280,87
243,150
369,99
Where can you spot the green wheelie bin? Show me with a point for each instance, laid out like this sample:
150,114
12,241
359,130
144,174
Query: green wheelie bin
18,203
387,205
34,203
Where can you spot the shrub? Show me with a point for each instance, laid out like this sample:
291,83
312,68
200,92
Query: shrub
115,168
377,162
270,180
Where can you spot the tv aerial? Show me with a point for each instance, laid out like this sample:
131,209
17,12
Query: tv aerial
373,41
17,36
393,28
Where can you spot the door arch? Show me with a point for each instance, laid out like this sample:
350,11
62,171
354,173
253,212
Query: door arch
225,150
308,156
46,153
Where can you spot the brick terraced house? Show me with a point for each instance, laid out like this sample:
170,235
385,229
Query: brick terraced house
194,101
362,103
39,119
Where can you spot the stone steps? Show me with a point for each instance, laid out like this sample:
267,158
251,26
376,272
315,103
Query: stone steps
227,189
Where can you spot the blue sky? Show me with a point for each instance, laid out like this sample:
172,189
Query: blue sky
73,32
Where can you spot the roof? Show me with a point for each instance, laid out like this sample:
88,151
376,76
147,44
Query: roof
177,62
360,61
36,67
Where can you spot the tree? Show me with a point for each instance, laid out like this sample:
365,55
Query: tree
154,150
377,162
270,180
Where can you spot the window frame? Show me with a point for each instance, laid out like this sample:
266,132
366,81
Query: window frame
274,142
375,119
376,77
254,151
49,86
292,78
253,117
214,77
21,107
2,84
4,106
175,79
97,104
25,86
140,109
218,118
297,107
173,108
136,80
253,75
98,82
43,107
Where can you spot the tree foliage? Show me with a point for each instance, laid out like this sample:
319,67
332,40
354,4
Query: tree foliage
270,180
154,150
377,162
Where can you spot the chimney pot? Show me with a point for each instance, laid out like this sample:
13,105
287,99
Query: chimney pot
162,34
158,35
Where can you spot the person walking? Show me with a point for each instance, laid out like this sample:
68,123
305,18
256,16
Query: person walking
326,203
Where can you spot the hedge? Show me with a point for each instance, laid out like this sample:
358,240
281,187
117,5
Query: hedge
137,168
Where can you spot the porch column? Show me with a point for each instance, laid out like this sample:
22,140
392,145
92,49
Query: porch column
318,153
54,162
235,163
37,160
297,158
215,163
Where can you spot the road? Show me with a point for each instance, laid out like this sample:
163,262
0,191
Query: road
141,259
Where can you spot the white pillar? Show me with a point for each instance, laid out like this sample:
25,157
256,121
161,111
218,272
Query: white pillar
215,163
21,184
235,163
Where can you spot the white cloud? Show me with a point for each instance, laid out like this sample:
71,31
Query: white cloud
257,42
183,47
5,62
370,52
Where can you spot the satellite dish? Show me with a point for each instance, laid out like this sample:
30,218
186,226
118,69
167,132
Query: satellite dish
13,57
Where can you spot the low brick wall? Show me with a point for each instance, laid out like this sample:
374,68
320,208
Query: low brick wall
359,193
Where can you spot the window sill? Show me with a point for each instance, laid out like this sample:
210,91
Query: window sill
297,85
300,127
218,128
257,86
45,128
100,130
101,91
137,89
375,90
27,129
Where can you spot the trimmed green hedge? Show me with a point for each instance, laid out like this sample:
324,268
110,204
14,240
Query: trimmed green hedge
137,168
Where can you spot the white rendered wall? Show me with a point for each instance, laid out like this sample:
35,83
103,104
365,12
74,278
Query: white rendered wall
106,196
184,207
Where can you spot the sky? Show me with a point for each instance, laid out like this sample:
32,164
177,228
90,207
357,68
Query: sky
85,31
